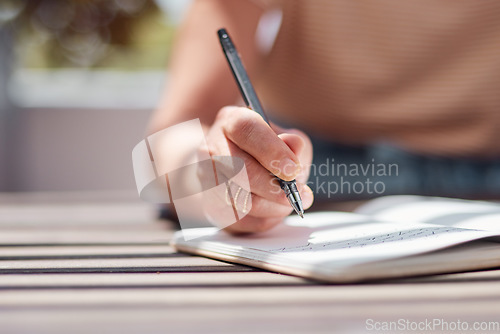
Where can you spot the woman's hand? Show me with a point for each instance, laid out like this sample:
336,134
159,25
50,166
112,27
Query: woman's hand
266,152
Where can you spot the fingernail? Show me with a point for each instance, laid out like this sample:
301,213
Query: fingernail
288,169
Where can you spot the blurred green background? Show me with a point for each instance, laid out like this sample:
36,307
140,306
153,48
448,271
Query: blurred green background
113,34
78,82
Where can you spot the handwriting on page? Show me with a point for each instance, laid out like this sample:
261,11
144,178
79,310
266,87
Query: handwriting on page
418,233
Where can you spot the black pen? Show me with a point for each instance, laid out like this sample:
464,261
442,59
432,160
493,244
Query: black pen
252,101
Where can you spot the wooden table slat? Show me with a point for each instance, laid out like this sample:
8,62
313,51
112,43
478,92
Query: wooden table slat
61,252
148,280
93,262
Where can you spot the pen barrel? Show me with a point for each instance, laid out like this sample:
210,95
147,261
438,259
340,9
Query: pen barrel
252,101
288,186
292,194
226,42
240,74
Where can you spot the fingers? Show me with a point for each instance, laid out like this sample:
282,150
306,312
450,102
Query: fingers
301,145
253,135
242,134
262,182
264,208
261,219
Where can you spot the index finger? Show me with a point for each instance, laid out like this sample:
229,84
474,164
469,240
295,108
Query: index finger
248,130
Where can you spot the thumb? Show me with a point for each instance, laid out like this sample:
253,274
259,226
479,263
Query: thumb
301,145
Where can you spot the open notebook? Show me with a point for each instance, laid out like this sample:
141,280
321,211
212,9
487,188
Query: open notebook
393,236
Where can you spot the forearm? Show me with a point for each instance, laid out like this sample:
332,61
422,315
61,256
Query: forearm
200,82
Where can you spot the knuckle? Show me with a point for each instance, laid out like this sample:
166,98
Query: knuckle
224,112
241,126
244,125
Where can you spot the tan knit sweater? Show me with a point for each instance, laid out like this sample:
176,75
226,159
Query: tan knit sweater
421,74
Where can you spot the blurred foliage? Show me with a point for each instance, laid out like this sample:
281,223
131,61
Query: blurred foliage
121,34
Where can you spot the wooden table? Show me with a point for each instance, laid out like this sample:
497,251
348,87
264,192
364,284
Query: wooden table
94,263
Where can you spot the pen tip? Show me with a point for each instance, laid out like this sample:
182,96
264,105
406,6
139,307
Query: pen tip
301,214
